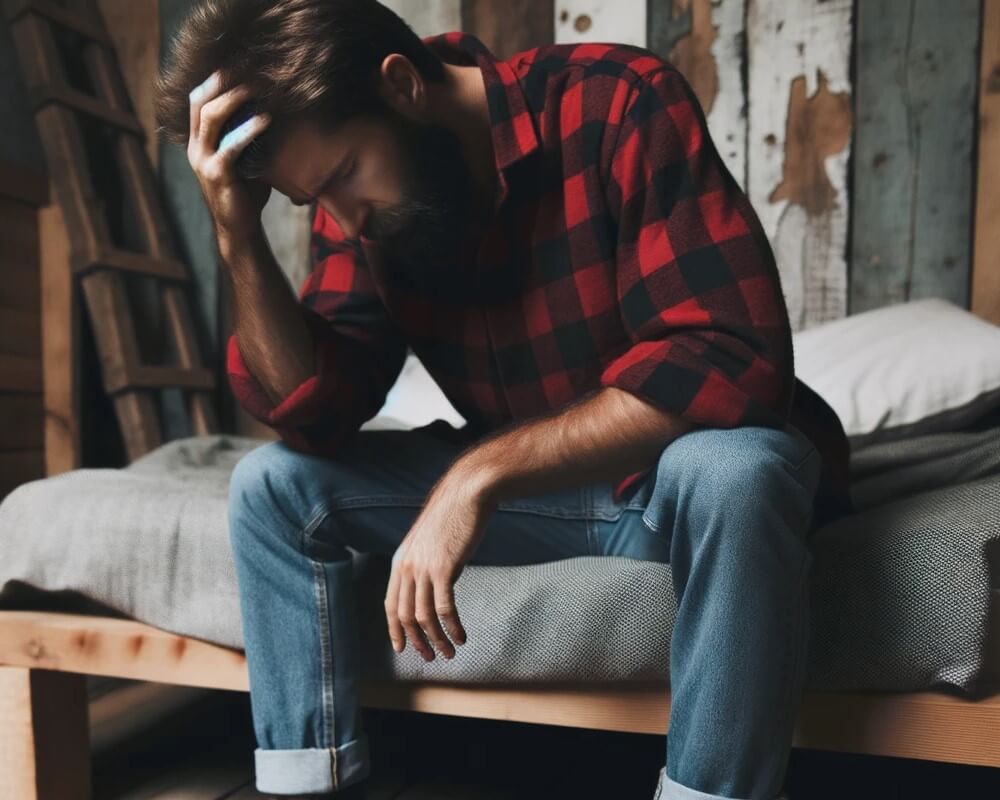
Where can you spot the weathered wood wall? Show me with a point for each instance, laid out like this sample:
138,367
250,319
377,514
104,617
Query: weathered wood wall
916,66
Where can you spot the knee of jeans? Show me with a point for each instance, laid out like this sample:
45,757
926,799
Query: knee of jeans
729,470
263,484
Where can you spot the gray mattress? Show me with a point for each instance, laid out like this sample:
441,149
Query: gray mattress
901,590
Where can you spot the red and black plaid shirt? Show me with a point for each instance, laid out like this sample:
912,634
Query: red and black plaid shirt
622,253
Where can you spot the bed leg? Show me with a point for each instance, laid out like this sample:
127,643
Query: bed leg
44,740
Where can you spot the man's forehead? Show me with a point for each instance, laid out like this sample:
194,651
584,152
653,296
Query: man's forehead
306,153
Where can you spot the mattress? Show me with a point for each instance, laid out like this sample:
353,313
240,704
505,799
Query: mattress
901,591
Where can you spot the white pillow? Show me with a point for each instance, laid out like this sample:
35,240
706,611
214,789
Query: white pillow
903,370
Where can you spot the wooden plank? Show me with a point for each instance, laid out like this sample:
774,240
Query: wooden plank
913,174
111,320
200,408
927,725
21,422
600,21
135,31
71,20
799,131
986,265
705,41
18,235
108,257
117,647
23,185
44,753
20,374
511,27
21,332
156,377
60,346
85,104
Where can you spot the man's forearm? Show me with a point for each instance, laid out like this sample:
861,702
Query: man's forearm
604,437
270,331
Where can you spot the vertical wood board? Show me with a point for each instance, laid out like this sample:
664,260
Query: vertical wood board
601,21
799,127
986,266
706,41
913,159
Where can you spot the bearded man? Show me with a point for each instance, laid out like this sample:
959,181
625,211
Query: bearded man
557,239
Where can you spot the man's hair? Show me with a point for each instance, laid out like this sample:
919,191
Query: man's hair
303,59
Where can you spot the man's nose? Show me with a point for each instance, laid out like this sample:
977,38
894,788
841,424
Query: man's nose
351,221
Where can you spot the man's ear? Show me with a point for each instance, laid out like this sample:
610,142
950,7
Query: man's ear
402,87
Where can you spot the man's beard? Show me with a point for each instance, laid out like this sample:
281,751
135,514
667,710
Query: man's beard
440,215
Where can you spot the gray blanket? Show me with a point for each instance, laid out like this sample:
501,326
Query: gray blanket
900,591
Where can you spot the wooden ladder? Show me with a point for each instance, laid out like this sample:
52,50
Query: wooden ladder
64,100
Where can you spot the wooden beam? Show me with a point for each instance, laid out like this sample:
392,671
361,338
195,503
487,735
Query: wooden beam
60,345
927,725
986,254
44,748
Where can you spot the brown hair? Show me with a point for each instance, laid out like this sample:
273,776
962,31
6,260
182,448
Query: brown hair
301,58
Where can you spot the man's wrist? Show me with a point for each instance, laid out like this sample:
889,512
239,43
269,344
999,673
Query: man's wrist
237,248
478,475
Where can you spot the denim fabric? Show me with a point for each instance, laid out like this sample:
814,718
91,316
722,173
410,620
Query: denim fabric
729,509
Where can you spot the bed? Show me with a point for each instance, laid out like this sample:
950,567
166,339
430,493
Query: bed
904,655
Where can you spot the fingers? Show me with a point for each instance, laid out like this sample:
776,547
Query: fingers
215,112
234,142
444,605
427,618
208,89
210,108
408,618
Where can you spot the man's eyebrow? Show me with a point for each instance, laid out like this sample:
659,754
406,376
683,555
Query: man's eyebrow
329,176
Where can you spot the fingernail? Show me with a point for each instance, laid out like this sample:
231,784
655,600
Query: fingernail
198,91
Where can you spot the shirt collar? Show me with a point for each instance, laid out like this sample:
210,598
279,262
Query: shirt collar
512,126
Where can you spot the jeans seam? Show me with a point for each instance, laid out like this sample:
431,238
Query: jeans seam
326,656
410,501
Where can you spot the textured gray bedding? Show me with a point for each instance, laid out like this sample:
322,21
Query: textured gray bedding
901,591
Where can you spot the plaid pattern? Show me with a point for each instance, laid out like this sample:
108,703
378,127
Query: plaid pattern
623,253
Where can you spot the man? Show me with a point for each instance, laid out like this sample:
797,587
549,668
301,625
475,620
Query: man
557,239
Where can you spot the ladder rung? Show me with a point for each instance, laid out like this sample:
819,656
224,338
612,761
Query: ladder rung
126,261
86,104
145,377
46,8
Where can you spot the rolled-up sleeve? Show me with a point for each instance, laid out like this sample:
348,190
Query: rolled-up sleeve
359,351
697,284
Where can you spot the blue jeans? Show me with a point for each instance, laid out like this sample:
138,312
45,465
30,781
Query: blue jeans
729,509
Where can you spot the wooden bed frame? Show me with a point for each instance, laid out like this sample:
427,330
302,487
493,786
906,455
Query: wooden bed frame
45,656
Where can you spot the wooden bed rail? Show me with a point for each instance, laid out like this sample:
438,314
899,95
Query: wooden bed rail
929,725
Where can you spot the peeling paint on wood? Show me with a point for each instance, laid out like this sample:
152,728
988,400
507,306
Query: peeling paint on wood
706,40
600,21
799,89
913,170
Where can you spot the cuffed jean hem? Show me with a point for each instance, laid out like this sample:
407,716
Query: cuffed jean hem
669,789
314,769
